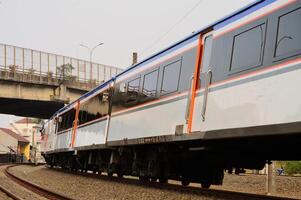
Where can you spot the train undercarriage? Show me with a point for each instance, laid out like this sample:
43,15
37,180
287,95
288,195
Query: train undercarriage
201,162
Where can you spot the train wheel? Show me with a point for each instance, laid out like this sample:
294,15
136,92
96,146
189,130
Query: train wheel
205,185
153,179
144,179
120,175
110,174
185,183
163,180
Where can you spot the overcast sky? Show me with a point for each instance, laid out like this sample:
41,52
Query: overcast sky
124,26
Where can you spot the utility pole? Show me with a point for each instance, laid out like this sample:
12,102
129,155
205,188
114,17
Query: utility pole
34,143
34,148
135,58
91,53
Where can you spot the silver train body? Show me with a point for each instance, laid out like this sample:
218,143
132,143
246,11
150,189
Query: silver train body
228,96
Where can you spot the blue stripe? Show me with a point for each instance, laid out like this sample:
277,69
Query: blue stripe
243,13
182,42
257,4
155,57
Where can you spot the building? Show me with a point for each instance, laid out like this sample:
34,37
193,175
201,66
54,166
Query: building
24,127
29,129
12,143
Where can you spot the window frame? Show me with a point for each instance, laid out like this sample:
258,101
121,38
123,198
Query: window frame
127,91
205,37
157,83
163,73
287,55
66,118
83,117
128,83
241,31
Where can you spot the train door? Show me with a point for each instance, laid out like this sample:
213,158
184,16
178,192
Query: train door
200,85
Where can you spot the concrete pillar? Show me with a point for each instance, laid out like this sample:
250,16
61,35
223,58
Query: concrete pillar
19,89
270,179
63,92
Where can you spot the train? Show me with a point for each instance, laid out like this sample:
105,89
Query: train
226,97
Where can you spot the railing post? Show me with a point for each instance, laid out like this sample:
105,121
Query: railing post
48,62
41,79
97,73
85,71
104,73
77,70
71,67
14,68
49,78
56,67
31,75
14,56
5,62
23,64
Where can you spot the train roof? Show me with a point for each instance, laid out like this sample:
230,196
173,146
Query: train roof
236,15
221,22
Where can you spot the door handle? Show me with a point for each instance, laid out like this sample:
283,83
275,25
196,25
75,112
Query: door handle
208,78
189,99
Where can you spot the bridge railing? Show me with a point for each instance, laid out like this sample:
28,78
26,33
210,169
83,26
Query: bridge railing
24,64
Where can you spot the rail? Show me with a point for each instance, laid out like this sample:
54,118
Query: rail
35,188
216,193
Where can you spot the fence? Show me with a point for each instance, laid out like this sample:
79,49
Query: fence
31,65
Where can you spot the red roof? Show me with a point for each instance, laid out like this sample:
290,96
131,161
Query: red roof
25,121
14,135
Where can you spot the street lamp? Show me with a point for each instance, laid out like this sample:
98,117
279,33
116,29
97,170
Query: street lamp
91,52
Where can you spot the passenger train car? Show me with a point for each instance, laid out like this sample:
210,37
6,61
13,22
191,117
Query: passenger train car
227,96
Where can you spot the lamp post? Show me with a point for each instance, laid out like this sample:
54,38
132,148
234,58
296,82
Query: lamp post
91,52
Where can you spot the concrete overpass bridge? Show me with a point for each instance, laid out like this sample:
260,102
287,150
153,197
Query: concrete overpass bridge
36,84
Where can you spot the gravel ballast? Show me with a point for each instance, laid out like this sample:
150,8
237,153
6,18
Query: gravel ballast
81,187
16,189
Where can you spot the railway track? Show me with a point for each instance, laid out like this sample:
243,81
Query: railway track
222,194
10,194
41,191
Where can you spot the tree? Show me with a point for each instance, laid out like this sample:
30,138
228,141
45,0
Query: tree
292,167
65,72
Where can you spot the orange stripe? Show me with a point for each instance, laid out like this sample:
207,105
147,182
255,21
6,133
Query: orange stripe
75,124
195,82
297,60
92,121
173,96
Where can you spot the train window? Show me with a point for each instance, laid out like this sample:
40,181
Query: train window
133,90
150,84
248,49
288,34
94,108
207,53
66,120
170,81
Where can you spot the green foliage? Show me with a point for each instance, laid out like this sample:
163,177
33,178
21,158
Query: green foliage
65,71
292,167
36,120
